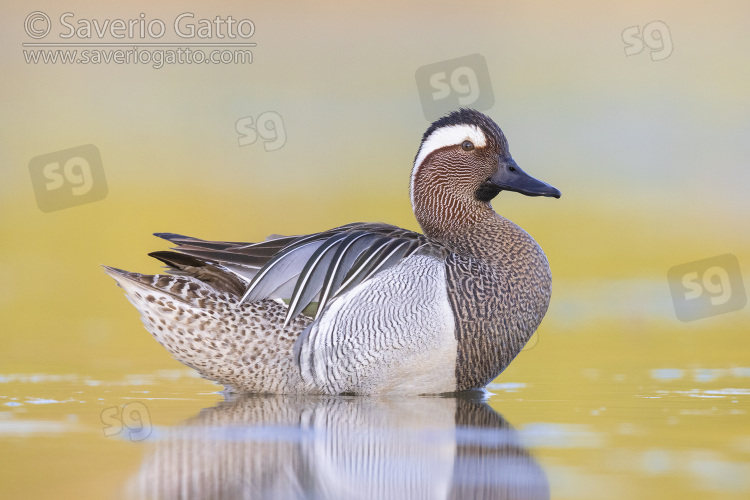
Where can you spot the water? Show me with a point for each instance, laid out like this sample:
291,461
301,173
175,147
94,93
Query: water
650,432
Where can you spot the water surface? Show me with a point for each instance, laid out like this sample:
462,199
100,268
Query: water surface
649,433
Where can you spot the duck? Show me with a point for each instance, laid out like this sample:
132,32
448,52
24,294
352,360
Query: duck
365,308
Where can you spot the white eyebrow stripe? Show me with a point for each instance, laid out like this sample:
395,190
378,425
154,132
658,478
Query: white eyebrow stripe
446,136
450,136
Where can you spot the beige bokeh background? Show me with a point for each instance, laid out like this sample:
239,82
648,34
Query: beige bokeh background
651,158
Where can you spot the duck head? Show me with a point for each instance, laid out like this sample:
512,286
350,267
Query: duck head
463,162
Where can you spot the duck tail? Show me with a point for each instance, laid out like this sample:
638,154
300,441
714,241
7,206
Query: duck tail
197,317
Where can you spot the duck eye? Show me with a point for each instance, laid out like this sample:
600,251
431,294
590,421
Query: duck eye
467,146
512,168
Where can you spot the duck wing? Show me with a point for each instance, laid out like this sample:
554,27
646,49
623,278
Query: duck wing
301,269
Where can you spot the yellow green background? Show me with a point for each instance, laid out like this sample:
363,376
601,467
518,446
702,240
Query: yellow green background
651,158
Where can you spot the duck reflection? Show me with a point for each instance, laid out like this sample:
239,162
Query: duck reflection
341,447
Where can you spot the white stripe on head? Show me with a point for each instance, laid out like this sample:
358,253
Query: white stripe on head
443,137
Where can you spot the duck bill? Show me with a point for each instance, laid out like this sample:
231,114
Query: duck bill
510,177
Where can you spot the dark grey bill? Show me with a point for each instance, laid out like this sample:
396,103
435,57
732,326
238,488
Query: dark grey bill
510,177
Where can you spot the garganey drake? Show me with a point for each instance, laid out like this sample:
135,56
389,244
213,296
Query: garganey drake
365,308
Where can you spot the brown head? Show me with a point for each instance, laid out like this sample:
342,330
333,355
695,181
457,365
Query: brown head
462,164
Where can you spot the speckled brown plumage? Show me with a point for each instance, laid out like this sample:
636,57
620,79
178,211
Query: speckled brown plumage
499,291
243,346
498,279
